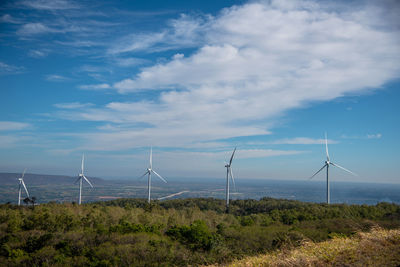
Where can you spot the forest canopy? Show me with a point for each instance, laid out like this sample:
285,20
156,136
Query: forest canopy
175,232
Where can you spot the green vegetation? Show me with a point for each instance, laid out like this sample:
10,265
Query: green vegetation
129,232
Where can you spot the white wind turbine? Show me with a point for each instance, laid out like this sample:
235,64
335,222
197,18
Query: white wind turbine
148,172
21,183
81,177
229,173
327,163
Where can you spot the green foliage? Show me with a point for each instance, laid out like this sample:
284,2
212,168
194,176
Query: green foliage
129,232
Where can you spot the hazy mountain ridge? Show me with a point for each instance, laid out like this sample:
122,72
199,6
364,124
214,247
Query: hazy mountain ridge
42,179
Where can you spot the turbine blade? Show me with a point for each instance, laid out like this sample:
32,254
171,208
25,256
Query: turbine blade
26,190
143,175
151,156
317,172
83,159
77,179
230,161
86,179
344,169
233,180
23,174
326,146
159,176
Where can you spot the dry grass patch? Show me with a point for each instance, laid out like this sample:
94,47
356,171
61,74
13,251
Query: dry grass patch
376,248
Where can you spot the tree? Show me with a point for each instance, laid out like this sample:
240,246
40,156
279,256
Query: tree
27,200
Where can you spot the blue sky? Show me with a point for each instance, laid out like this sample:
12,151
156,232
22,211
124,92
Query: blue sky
194,79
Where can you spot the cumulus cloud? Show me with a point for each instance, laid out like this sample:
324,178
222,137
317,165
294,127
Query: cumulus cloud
253,63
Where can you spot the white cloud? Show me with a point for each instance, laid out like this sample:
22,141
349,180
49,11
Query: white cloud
301,141
35,28
366,136
129,62
50,4
101,86
9,69
73,105
56,78
253,63
59,27
13,126
374,136
37,53
7,18
183,32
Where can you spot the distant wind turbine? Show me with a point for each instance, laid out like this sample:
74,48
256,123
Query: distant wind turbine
229,173
148,172
327,163
81,177
21,183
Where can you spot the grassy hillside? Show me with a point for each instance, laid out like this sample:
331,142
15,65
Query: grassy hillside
129,232
376,248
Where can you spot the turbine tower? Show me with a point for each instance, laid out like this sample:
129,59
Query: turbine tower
21,183
82,177
327,163
229,173
148,172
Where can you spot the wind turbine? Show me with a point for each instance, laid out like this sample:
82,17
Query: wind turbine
148,172
21,183
327,163
229,172
81,177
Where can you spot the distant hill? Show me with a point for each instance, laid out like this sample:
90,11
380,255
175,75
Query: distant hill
43,179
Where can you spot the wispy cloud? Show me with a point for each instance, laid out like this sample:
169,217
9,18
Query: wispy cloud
301,141
13,126
9,69
73,105
101,86
37,53
7,18
183,32
51,4
374,136
57,78
35,28
129,62
365,136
